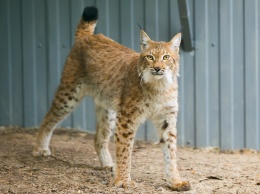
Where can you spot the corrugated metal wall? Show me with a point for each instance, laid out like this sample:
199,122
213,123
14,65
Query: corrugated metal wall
219,82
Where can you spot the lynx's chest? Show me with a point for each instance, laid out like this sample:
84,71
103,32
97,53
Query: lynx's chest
161,102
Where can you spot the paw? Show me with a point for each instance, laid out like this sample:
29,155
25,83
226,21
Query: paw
124,184
38,152
182,186
106,164
105,159
108,169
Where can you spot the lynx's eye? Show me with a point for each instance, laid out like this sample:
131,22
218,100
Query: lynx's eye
166,57
149,57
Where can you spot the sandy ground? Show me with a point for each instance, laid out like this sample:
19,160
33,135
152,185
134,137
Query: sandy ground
74,167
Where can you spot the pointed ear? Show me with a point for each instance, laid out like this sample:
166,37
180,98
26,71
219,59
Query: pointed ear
144,40
176,41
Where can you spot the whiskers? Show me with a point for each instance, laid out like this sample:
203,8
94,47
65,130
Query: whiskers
156,71
160,80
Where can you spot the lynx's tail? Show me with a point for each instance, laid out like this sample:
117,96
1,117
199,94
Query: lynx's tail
87,23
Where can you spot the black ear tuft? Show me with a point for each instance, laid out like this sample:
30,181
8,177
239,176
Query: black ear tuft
139,26
181,31
90,14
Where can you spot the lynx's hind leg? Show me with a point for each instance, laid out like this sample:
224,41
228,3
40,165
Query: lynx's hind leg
66,98
106,120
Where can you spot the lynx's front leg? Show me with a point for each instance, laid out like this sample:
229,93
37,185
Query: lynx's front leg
168,134
124,138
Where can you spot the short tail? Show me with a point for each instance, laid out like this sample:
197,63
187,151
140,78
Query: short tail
87,23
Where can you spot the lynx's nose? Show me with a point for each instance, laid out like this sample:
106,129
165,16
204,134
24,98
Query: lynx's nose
157,69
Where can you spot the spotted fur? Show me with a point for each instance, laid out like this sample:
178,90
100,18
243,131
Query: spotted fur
128,87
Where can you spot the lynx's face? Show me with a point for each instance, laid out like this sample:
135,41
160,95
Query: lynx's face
159,60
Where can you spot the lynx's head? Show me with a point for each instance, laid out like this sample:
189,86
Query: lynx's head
159,61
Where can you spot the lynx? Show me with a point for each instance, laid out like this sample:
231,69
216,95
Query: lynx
128,88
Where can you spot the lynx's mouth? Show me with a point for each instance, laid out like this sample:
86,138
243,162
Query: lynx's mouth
160,75
157,71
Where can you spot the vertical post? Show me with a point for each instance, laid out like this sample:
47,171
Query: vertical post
184,11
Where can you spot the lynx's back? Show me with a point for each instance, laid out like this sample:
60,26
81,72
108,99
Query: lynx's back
102,64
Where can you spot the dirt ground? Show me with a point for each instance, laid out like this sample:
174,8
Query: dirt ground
74,167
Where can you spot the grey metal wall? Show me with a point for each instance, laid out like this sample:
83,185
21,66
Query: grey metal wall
219,82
